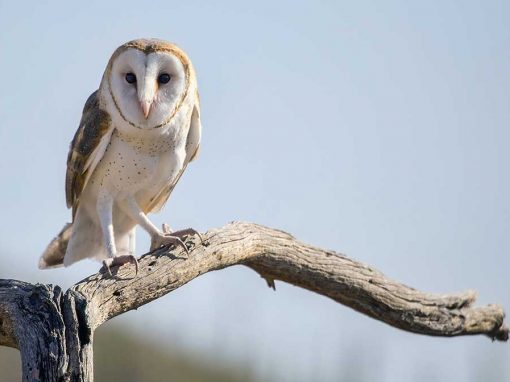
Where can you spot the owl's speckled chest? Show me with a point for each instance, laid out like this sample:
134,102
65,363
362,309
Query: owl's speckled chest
138,166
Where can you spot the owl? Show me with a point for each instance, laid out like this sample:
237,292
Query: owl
137,134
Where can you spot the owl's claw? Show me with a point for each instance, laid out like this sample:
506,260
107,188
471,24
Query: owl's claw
118,261
188,232
160,240
169,237
183,232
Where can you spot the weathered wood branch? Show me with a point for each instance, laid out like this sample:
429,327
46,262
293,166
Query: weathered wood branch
41,320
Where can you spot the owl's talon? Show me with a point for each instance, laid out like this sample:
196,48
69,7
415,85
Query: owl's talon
119,261
168,239
106,265
187,232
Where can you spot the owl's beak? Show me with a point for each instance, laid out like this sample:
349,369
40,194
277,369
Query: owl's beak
146,108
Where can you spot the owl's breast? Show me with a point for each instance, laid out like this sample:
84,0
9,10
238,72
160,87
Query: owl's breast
135,168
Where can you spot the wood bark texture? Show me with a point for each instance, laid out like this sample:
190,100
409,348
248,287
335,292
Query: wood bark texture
54,329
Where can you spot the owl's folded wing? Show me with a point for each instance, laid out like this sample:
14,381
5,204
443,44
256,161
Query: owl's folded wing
87,148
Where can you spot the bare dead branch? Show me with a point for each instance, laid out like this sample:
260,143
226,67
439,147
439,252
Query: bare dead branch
54,330
276,255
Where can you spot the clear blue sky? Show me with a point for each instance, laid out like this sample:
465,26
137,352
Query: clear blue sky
378,130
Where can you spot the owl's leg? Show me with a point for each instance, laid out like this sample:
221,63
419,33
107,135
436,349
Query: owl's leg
158,238
104,210
132,241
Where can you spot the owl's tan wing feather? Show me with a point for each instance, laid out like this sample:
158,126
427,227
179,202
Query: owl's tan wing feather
87,148
192,149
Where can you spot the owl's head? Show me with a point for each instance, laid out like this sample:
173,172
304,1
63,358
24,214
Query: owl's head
148,80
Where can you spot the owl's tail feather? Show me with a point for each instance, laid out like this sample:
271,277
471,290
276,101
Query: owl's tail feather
53,256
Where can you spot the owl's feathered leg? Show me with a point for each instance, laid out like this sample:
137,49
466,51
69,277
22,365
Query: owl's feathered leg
158,238
104,210
132,241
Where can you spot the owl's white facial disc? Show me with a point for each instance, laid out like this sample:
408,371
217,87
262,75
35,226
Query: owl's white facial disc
147,88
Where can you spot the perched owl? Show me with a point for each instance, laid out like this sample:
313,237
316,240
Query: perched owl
137,134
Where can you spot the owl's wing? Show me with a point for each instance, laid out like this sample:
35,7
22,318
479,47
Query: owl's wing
87,148
192,149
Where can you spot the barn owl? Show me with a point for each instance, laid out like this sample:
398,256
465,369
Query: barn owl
137,134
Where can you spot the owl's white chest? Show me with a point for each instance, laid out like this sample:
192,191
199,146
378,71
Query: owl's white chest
138,166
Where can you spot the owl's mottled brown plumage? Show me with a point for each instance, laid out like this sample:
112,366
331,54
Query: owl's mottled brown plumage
94,125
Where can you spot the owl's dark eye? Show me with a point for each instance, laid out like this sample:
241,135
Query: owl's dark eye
130,78
164,78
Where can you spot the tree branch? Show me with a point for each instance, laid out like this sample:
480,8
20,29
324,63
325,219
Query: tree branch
54,330
30,320
276,255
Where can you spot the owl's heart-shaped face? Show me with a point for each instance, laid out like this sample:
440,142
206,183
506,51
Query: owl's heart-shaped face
148,85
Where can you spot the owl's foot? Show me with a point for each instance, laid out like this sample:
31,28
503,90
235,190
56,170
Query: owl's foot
168,237
183,233
161,239
119,261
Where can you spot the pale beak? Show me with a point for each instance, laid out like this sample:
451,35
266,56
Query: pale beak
146,108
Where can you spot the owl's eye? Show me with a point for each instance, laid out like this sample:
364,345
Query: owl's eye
164,78
130,78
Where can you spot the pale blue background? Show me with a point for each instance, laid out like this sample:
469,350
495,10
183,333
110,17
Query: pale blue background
381,130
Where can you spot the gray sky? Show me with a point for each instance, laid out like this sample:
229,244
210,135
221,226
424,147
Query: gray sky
380,131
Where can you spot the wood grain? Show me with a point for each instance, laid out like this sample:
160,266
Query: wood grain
54,330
